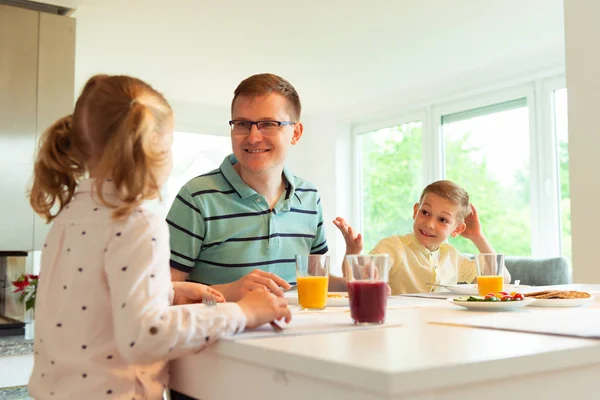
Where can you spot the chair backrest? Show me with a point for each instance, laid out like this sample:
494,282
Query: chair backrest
539,271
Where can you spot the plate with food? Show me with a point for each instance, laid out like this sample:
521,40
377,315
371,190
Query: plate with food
334,299
559,298
498,302
471,289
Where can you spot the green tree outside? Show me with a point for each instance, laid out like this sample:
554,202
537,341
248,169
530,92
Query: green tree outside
392,174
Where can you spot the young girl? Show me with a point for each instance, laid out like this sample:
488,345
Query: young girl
106,320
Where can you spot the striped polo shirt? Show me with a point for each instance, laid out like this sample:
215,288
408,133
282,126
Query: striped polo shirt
222,229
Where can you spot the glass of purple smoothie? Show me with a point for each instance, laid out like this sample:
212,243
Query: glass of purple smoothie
367,287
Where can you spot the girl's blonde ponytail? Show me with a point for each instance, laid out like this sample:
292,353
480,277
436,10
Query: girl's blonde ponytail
57,169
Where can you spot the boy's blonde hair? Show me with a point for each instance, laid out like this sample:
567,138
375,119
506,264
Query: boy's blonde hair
116,128
450,191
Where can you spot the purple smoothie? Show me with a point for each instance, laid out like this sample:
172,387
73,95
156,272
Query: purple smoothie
368,300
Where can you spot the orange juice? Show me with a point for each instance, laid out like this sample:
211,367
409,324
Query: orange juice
312,291
490,284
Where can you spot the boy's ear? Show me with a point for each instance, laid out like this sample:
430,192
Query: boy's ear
415,210
459,229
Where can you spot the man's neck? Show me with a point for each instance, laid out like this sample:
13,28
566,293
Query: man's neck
270,185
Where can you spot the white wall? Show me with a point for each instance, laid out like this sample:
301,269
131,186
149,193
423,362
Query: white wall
323,157
62,3
583,84
200,118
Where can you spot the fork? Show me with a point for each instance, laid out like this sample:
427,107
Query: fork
437,285
210,300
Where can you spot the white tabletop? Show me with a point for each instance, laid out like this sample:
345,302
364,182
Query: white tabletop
405,359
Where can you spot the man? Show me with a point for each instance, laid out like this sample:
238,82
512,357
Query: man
239,227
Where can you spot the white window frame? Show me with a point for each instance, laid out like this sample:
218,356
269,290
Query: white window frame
544,178
549,162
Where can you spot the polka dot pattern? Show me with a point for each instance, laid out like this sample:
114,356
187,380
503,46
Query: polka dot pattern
105,274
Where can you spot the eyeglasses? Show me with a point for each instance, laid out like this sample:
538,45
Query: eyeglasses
242,127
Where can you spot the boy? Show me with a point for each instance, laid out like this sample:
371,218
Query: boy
422,257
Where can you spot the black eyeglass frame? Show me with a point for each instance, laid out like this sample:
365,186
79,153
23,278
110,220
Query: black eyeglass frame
258,123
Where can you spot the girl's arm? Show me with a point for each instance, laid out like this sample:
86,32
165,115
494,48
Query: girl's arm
147,328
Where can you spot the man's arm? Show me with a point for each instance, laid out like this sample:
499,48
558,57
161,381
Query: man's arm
186,234
338,284
229,291
256,279
178,276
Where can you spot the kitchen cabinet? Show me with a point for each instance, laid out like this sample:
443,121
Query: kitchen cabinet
37,69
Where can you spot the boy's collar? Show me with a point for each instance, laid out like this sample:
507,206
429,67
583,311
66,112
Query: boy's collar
420,247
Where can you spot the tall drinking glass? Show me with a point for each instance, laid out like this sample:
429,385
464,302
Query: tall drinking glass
312,278
490,273
367,287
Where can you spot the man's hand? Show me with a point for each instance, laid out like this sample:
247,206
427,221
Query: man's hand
354,240
192,292
258,279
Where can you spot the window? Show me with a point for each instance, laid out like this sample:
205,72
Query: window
486,151
392,171
561,124
507,148
193,154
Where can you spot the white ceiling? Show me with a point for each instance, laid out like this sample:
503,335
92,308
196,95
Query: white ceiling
339,54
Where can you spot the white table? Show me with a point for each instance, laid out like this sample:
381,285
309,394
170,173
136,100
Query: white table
417,361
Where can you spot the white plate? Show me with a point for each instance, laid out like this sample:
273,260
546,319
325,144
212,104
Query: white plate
561,302
492,305
471,289
292,298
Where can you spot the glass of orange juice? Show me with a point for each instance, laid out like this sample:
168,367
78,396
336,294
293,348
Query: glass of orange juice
490,273
312,279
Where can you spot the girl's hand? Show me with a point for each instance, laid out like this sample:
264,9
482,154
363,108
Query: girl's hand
261,306
354,240
192,292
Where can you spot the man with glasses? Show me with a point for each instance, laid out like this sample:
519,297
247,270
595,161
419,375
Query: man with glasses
239,227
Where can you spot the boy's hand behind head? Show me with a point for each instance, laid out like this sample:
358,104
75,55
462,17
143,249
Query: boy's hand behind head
473,229
354,240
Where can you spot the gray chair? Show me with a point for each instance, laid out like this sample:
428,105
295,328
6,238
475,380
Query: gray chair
539,271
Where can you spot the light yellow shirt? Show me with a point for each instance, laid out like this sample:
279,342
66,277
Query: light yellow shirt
414,266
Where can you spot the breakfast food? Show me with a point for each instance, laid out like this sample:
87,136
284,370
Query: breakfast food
337,295
499,296
558,294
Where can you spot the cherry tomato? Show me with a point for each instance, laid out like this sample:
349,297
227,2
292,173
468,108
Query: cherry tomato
513,294
505,298
518,297
503,293
489,296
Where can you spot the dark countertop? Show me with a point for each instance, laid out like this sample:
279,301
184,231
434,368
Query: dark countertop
17,345
14,393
